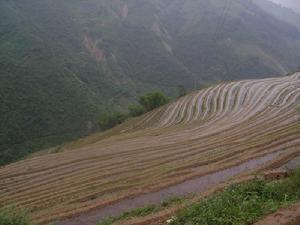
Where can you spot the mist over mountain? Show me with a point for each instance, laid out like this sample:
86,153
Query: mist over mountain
64,63
292,4
280,12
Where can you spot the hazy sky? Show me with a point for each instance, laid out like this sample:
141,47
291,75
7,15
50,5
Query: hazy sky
293,4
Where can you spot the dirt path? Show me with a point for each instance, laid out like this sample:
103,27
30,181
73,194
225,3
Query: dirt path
196,185
286,216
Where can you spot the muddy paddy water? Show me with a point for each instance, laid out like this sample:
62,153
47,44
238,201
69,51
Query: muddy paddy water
196,185
292,164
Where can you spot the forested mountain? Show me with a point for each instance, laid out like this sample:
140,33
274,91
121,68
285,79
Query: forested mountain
65,62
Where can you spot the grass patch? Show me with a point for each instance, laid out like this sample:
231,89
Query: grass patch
242,204
143,211
12,216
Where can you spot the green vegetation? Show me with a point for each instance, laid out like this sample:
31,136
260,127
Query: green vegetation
143,211
11,216
63,63
147,102
242,204
110,120
136,110
153,100
182,91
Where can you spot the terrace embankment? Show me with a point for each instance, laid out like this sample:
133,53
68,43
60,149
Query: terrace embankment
196,185
286,216
210,130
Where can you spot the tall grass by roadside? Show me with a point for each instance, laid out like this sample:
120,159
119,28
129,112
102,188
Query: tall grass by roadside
242,204
12,216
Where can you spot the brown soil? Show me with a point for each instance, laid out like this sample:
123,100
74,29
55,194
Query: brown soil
286,216
211,130
93,48
196,185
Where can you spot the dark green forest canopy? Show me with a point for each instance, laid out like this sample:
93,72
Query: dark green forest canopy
63,63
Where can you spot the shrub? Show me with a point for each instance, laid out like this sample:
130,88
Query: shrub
109,120
136,110
153,100
146,103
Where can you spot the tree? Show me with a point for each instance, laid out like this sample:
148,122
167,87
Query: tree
110,120
136,110
147,103
153,100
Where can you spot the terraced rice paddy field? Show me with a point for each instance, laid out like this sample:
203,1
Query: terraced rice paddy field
204,132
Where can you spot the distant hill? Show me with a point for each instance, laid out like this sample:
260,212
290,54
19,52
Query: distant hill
282,13
292,4
65,62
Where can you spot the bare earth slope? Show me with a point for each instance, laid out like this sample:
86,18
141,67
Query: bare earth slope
285,216
207,131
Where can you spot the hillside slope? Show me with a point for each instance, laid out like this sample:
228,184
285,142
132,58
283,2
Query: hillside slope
284,14
65,62
206,131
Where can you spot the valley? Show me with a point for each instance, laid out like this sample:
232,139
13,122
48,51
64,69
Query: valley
65,64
